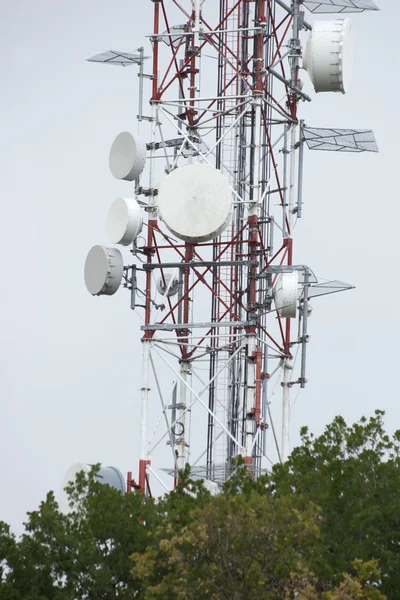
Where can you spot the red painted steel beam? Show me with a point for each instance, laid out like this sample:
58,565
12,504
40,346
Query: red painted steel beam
156,29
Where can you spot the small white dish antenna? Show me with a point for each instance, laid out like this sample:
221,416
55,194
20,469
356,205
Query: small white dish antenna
212,487
104,269
127,156
286,292
328,55
124,221
169,288
108,475
195,202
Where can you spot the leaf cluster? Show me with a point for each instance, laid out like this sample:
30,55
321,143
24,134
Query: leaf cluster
323,526
84,554
352,474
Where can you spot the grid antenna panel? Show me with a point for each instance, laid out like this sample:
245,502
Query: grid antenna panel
328,287
340,140
115,57
339,6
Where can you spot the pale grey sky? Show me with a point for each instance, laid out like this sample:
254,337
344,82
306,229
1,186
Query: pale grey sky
70,363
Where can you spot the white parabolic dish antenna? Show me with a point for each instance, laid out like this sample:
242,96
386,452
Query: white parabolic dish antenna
195,202
171,286
124,221
127,156
104,269
286,292
328,55
109,475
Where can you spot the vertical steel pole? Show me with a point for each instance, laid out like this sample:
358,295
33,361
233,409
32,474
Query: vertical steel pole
265,401
184,394
300,174
156,42
291,204
285,178
291,207
287,361
144,451
286,384
253,358
141,81
304,335
144,460
180,442
196,8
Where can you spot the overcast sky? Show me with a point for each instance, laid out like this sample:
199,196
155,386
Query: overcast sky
70,363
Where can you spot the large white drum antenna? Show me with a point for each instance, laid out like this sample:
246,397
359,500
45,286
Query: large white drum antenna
286,293
104,269
195,202
127,156
124,221
328,55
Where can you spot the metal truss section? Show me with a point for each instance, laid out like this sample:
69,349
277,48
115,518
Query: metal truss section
174,143
220,472
340,140
114,57
224,91
197,263
339,6
205,325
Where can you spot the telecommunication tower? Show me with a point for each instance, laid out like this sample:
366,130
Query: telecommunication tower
214,195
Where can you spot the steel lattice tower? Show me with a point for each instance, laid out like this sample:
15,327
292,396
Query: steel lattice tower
225,91
234,127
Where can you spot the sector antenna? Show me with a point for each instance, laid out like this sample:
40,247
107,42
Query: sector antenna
206,229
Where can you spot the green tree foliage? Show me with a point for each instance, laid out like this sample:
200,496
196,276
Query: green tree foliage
362,584
85,554
234,547
324,526
246,543
352,474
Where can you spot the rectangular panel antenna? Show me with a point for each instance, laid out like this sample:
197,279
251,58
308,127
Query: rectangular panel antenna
328,287
340,140
114,57
339,6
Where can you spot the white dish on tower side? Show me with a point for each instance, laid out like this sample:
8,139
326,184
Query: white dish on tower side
165,283
127,156
124,221
195,202
104,269
286,292
328,55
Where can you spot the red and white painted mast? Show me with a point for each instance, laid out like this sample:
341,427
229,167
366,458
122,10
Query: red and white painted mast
221,195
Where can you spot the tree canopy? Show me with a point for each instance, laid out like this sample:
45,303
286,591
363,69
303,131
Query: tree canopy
352,474
322,526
